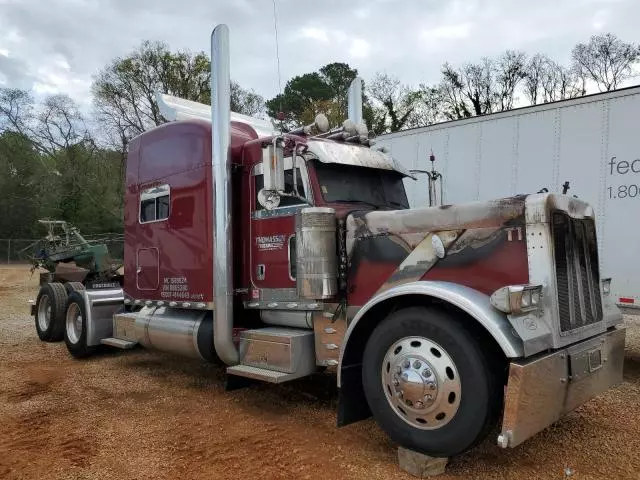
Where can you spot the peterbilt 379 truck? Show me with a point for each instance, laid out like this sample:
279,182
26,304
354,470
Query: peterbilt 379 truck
278,254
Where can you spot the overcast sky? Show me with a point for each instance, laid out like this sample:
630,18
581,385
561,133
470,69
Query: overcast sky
57,45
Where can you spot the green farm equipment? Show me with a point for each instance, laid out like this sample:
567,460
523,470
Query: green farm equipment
69,257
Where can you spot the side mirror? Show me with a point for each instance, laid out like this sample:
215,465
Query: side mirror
268,199
273,175
273,166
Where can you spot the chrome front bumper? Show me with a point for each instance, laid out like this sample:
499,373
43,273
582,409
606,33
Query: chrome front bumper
542,389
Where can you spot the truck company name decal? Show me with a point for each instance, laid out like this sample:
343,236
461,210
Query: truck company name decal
270,242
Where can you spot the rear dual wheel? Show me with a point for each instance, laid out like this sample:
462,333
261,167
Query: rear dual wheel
429,384
50,310
75,327
71,287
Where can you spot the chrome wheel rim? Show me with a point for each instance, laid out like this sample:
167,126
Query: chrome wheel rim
44,313
421,382
74,323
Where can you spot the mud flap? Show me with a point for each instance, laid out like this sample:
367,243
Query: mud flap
352,403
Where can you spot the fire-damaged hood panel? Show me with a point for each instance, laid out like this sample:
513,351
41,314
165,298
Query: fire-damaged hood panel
478,244
540,206
412,225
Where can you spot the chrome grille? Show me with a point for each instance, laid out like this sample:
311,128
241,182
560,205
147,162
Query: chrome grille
577,274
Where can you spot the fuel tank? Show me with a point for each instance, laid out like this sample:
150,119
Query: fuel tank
317,272
184,332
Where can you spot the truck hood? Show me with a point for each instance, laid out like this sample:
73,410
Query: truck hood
412,225
389,248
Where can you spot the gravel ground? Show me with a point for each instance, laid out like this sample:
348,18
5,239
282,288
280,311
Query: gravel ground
142,414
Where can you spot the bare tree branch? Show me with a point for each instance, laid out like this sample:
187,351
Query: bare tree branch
510,71
453,99
396,102
606,60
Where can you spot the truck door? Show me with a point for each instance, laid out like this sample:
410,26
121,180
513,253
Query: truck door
147,272
154,212
273,232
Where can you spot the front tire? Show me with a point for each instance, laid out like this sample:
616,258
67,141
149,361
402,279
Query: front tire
50,309
75,327
428,382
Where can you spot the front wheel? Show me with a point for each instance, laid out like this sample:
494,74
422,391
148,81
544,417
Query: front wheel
75,327
428,382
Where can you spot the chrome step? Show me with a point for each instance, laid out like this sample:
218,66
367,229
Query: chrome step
270,376
275,354
118,343
286,350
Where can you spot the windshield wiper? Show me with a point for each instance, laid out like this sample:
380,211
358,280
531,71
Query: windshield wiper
357,201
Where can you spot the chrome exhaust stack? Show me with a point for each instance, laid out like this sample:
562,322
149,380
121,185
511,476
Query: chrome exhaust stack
221,170
354,109
354,96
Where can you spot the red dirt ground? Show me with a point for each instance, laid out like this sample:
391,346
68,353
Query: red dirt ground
142,414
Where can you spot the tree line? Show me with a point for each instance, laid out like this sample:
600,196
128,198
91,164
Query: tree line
489,85
58,161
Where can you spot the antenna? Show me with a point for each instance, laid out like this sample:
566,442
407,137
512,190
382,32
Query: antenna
435,180
275,29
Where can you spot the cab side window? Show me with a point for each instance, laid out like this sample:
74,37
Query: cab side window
154,204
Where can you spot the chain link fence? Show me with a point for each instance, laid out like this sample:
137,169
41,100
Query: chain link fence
116,249
11,250
22,250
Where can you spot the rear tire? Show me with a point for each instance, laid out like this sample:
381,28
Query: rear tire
50,309
429,384
71,287
75,327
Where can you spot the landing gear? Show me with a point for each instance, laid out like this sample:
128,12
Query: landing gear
429,384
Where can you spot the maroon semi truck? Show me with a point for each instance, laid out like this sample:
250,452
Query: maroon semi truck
278,254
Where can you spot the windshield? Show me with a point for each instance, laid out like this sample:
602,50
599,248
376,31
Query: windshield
373,186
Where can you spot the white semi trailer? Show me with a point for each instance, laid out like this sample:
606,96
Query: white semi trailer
592,142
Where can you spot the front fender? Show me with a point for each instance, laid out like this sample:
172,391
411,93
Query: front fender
471,301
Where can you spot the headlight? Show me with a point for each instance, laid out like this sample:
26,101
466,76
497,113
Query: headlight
525,299
517,298
535,296
606,286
